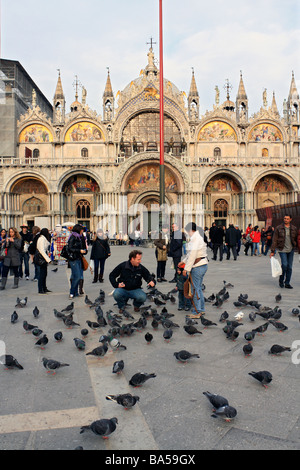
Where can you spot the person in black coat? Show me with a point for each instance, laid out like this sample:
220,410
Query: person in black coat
127,279
231,240
76,248
100,252
176,245
217,239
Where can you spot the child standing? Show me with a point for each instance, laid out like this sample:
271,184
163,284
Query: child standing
183,303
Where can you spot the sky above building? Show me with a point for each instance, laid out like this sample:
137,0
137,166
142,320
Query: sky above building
217,39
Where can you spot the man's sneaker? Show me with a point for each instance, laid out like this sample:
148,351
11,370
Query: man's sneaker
288,286
27,278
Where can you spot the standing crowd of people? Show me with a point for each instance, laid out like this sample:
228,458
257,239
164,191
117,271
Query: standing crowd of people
191,244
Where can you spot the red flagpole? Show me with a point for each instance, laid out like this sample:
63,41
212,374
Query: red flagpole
161,109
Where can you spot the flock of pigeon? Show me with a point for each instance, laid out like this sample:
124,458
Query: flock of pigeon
116,326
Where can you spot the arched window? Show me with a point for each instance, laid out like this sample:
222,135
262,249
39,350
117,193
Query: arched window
265,153
221,209
83,209
85,153
217,152
36,153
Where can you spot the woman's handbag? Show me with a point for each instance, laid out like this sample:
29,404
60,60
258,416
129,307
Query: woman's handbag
188,292
38,259
85,263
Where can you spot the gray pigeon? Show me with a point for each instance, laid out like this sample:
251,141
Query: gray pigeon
10,362
167,334
101,427
100,351
36,312
126,400
52,366
58,336
42,341
80,344
216,400
227,412
191,330
137,380
279,326
14,317
184,356
118,367
69,308
277,349
264,377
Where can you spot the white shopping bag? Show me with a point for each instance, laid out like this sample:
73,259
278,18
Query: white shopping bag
92,266
275,267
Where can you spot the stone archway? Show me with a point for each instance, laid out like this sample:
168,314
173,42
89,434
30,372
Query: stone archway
80,197
273,187
224,199
28,196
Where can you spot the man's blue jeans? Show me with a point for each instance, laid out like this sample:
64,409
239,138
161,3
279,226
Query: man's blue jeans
286,265
121,296
76,270
198,274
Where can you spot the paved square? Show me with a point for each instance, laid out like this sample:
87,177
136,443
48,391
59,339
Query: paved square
173,413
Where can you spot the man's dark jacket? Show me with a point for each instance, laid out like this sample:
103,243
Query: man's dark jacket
131,276
176,242
217,236
231,236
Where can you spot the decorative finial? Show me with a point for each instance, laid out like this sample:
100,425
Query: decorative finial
227,87
151,42
76,84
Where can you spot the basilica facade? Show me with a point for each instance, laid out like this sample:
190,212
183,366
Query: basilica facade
80,166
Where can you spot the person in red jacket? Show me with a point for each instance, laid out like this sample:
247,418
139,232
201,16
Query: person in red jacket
255,236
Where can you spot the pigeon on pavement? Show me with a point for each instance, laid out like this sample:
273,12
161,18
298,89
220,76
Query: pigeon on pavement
14,317
277,349
184,356
42,341
100,351
137,380
126,400
247,349
191,330
68,308
264,377
227,412
79,343
216,400
52,365
101,427
35,312
10,362
279,326
118,367
58,336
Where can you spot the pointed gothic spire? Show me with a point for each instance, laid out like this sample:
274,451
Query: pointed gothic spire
108,88
293,89
241,95
59,93
274,105
193,87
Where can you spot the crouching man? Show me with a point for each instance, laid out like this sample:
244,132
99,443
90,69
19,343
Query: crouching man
127,280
